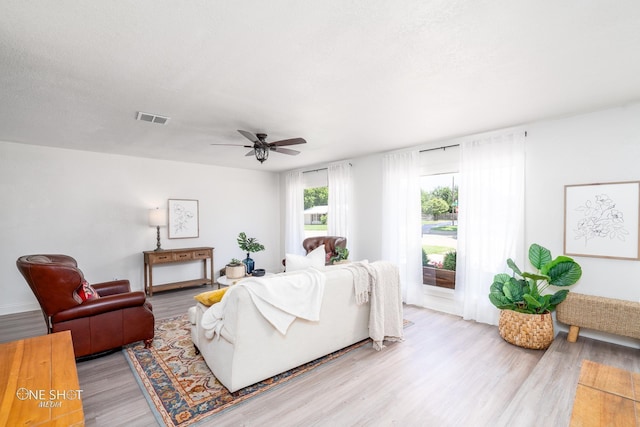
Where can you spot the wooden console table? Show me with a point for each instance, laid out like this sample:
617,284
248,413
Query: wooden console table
606,396
167,256
40,382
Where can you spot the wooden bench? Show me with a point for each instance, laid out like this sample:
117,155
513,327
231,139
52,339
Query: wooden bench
602,314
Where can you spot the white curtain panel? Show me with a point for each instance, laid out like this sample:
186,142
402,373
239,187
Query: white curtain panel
491,218
339,177
401,233
294,217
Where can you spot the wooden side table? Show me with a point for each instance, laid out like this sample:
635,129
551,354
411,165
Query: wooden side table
40,382
172,256
606,396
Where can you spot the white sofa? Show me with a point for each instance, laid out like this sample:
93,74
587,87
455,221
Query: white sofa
249,349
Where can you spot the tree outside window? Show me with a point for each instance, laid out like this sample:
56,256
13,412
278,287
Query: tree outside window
439,197
316,201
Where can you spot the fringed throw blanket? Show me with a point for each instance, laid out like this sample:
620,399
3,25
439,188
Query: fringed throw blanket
379,283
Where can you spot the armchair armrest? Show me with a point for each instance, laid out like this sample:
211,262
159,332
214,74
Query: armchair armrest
111,288
101,305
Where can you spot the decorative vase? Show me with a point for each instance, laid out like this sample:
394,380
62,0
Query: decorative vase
248,262
235,272
526,330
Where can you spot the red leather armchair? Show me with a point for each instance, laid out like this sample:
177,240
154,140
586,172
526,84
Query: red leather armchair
116,318
330,243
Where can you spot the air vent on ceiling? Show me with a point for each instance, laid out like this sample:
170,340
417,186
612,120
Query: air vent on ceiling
153,118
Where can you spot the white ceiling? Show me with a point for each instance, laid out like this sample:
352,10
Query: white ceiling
351,77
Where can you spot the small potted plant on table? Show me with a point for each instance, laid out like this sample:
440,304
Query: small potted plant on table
235,269
525,310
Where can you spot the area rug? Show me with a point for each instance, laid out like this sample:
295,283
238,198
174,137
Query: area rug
177,383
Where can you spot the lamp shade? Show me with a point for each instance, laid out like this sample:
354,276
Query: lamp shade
157,217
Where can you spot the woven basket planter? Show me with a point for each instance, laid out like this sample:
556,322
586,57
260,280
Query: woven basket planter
533,331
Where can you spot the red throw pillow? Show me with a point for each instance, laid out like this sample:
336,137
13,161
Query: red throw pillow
85,292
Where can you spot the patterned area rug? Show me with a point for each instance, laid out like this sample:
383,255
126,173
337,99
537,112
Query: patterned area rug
180,388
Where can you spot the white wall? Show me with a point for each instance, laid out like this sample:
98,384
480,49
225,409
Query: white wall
367,210
591,148
94,207
599,147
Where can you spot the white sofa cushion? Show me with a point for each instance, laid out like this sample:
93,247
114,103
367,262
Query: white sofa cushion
315,258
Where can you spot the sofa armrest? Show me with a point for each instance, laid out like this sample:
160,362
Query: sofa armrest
101,305
113,287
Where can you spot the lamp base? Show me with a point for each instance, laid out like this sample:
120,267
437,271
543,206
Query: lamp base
158,248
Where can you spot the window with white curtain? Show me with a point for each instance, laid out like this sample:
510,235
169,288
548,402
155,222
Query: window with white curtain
492,172
316,202
439,208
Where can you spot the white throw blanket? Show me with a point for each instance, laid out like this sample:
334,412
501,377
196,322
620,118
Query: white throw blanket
280,299
385,321
361,280
380,283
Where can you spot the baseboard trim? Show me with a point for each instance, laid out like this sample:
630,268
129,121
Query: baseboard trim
18,308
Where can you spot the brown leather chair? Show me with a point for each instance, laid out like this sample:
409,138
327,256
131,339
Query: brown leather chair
116,318
330,243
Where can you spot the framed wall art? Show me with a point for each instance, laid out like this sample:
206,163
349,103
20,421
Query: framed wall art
183,219
602,220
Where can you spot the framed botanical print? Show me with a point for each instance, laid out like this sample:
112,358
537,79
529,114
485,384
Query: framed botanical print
602,220
183,219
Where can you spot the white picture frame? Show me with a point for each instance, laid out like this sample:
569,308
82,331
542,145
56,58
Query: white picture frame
184,222
602,220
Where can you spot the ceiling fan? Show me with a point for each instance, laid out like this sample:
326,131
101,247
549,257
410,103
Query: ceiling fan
261,147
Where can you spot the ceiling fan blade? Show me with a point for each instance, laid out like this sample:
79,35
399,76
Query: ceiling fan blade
292,141
285,151
233,145
251,153
250,136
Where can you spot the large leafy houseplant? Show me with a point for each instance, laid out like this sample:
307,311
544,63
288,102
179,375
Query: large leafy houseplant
524,292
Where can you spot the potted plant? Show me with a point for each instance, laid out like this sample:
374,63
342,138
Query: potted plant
235,269
525,307
341,255
249,245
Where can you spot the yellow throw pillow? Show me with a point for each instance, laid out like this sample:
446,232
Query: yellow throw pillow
210,297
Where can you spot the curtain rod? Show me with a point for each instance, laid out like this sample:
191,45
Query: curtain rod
453,145
321,169
439,148
315,170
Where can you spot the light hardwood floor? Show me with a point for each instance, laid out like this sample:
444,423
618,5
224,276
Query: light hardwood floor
447,372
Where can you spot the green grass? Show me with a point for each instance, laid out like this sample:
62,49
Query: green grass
446,228
315,227
437,249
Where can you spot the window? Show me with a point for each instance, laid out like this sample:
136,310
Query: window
439,204
316,203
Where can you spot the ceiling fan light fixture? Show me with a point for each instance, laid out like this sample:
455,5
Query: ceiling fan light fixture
261,147
262,153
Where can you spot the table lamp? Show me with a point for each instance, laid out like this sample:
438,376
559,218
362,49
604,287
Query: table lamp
157,218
